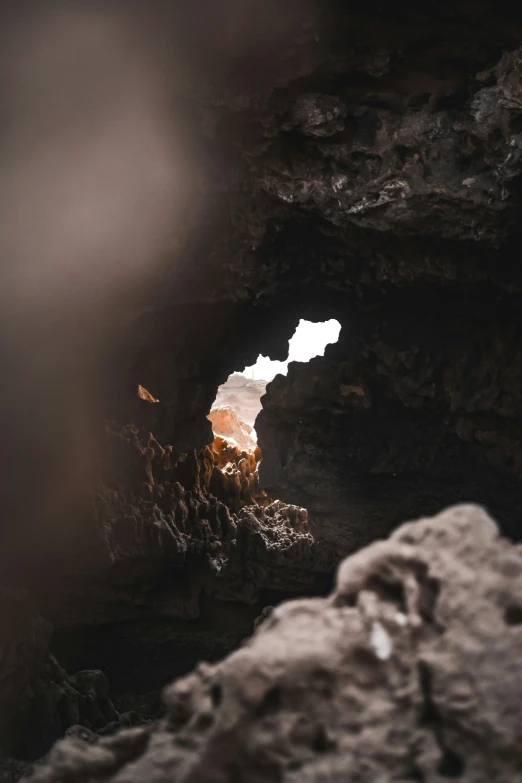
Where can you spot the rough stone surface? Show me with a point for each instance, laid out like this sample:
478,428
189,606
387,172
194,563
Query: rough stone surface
378,184
243,395
332,161
397,417
226,422
38,699
361,164
24,643
408,671
183,554
12,770
170,528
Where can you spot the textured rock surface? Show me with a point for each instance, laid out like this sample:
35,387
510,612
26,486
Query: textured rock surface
378,184
24,643
170,528
361,164
177,564
403,416
408,671
358,163
38,699
243,395
159,561
235,477
225,422
398,416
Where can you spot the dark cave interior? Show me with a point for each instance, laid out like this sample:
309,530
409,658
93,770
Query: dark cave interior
329,162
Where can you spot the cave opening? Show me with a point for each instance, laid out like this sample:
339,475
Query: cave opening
181,187
239,400
220,506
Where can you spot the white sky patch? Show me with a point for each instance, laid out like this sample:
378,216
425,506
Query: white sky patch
309,340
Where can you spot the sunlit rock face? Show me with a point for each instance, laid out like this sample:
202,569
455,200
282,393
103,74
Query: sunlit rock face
225,422
243,395
407,671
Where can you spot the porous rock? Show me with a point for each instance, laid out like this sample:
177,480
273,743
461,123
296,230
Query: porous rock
38,699
407,672
355,163
168,528
226,422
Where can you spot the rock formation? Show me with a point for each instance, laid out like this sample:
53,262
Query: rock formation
243,395
408,671
39,701
158,558
359,163
226,423
378,183
169,527
365,169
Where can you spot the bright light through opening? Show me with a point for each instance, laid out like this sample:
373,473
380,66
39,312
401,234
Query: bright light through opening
309,340
243,390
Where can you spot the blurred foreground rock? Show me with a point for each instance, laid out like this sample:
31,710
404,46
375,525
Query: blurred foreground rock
409,671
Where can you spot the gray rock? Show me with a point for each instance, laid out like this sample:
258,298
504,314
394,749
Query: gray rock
408,671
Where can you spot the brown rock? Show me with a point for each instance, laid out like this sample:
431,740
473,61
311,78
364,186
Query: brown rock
227,424
38,700
408,671
24,642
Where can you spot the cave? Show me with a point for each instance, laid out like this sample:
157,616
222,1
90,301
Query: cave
183,186
244,389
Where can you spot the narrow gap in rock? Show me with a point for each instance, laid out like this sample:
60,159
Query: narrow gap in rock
271,702
513,614
233,416
213,498
182,183
239,398
450,764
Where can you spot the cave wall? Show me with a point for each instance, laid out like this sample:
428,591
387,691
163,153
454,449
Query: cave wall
353,164
358,164
417,406
377,183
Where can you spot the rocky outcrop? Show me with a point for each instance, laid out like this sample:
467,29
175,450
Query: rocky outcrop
361,164
408,671
349,163
181,553
400,414
242,395
379,184
24,643
39,701
235,477
226,422
170,528
403,416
